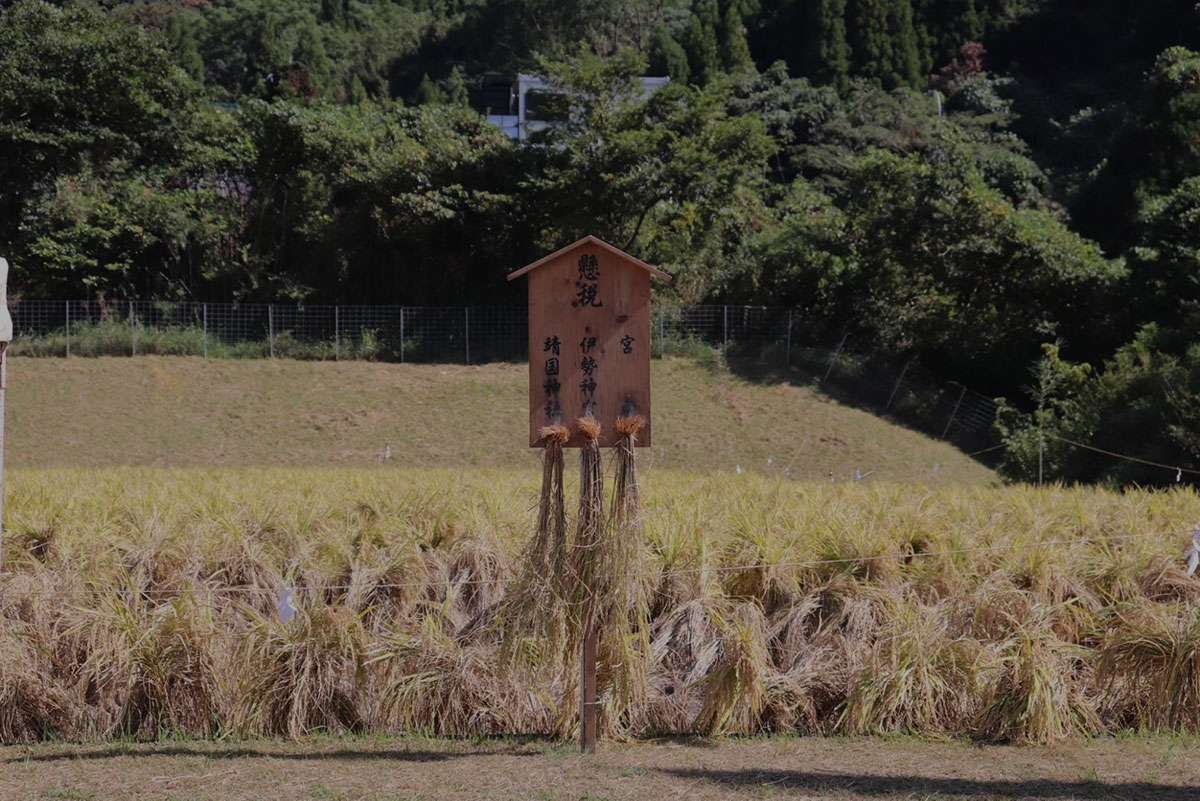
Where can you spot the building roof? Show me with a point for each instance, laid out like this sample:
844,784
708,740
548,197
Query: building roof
591,240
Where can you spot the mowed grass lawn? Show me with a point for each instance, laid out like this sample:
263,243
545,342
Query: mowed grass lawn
1137,769
191,412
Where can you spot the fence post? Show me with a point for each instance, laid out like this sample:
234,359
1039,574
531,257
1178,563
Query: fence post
402,335
953,413
132,328
834,359
467,331
68,329
204,324
725,343
337,335
896,388
788,356
662,332
271,329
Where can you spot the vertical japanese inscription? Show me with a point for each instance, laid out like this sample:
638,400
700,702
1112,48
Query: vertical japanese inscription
553,409
588,296
589,274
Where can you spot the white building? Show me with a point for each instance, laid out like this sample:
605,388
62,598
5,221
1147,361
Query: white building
526,102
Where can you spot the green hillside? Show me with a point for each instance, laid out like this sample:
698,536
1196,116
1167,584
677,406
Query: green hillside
183,411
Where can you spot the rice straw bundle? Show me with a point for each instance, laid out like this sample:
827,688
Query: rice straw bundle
623,598
532,614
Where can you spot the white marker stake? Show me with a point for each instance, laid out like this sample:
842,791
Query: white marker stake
1193,554
5,338
286,605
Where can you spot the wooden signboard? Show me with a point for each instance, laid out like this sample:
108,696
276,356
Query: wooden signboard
589,339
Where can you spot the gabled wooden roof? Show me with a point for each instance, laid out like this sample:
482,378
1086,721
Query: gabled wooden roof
591,240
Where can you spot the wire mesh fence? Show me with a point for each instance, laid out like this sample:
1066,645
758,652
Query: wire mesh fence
855,371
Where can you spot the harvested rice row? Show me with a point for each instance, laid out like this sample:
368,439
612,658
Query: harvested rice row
144,603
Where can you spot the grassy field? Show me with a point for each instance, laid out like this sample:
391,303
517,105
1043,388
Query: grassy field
416,769
190,412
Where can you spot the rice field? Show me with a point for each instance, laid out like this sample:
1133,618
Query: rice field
144,603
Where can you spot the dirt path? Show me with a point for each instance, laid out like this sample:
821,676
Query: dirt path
1150,769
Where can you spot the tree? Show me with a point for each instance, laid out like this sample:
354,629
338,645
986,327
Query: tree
456,88
735,52
81,93
832,53
667,56
700,42
642,172
960,274
429,93
884,43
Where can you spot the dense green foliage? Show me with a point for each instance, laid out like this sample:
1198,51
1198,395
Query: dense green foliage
966,181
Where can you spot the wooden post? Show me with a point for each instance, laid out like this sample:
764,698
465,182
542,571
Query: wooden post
68,329
788,355
946,430
467,331
337,336
5,338
132,329
662,332
836,353
271,330
725,342
402,335
588,705
204,325
896,388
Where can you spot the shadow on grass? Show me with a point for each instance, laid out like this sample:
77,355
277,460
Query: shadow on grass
865,784
933,421
247,752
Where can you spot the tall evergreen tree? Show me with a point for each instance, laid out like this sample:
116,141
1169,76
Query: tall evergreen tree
429,93
667,56
870,39
735,51
456,88
832,53
906,59
183,42
700,43
885,43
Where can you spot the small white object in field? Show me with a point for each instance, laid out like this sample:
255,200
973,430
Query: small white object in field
935,468
788,471
1193,554
737,468
286,605
662,452
387,451
5,317
1178,474
770,461
857,474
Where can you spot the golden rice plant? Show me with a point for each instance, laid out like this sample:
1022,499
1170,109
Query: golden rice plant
920,677
145,602
1150,665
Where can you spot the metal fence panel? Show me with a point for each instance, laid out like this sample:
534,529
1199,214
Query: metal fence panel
852,370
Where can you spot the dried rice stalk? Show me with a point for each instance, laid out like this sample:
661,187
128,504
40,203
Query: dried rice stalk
532,617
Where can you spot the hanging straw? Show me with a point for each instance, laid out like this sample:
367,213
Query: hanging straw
623,605
533,617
